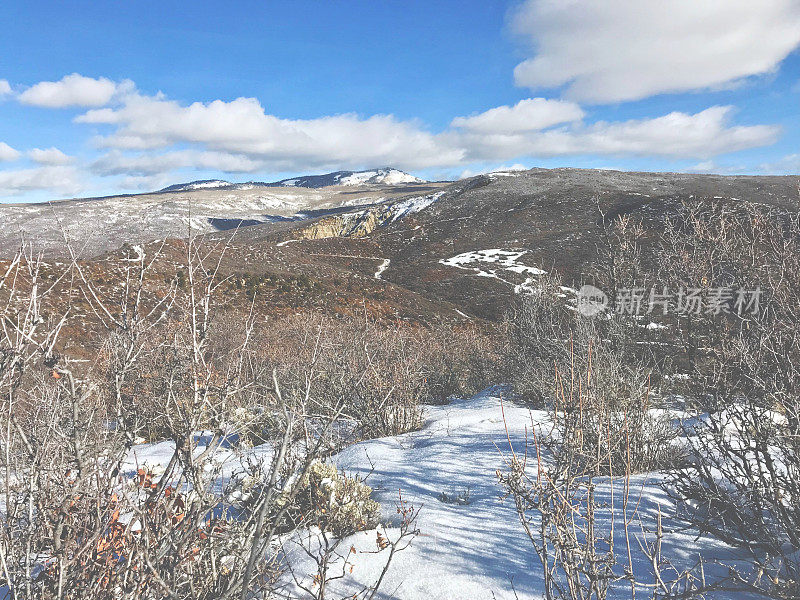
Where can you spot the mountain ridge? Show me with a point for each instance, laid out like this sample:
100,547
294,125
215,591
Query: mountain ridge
381,176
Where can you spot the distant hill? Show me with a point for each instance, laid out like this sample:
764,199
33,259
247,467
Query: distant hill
384,176
418,250
200,184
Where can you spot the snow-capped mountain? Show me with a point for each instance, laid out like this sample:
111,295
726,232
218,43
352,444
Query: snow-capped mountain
385,176
201,184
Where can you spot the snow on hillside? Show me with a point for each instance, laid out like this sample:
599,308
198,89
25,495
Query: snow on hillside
413,205
379,176
492,262
385,176
206,184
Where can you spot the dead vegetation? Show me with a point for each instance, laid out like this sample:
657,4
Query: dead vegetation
733,475
79,520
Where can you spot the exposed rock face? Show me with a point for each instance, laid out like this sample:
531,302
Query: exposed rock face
363,222
359,224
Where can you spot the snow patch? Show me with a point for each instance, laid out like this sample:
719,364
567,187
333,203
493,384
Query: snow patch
413,205
379,176
495,262
382,268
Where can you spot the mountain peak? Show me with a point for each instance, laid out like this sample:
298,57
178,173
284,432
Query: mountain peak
382,176
200,184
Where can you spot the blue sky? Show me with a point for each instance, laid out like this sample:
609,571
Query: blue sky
143,94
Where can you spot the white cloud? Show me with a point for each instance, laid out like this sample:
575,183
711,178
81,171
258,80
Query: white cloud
675,135
619,50
788,165
7,153
706,166
49,156
239,136
242,126
712,167
146,165
703,134
60,180
5,88
74,90
531,114
146,183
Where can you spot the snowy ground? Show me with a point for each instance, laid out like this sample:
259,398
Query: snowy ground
475,550
465,551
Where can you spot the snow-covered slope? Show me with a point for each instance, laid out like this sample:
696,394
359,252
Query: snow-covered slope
380,176
202,184
473,547
385,176
476,549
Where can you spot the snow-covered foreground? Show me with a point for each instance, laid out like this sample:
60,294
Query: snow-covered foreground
476,550
466,550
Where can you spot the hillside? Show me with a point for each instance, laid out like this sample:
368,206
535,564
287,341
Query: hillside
482,237
97,225
384,176
457,250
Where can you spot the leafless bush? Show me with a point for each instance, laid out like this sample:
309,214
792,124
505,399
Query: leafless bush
586,545
78,519
459,360
741,483
597,395
750,345
386,370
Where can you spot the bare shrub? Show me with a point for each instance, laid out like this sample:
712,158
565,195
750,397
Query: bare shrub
553,481
579,369
78,519
459,360
749,344
386,370
741,482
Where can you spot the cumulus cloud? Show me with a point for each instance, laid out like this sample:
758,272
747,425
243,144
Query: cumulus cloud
242,126
531,114
676,135
239,136
146,183
5,88
788,165
57,179
629,49
49,156
7,153
74,90
147,165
